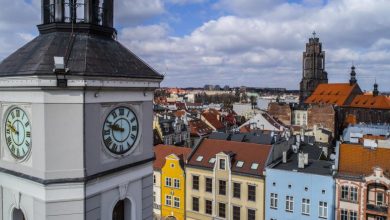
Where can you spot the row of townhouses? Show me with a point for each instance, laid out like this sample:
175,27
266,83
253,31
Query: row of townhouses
275,177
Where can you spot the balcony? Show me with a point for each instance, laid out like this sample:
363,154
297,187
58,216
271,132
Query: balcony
377,208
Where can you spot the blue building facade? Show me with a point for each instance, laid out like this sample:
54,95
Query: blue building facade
294,193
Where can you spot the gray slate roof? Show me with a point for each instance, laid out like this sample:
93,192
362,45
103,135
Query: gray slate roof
89,55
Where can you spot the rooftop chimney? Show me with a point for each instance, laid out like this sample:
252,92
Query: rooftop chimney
306,159
284,157
301,161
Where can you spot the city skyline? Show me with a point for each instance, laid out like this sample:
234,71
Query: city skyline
248,42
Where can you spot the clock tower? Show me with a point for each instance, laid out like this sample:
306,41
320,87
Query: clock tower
76,121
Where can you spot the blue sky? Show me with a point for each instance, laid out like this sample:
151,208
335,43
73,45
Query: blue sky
237,42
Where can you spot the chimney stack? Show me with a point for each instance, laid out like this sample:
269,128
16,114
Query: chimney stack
284,157
301,161
306,159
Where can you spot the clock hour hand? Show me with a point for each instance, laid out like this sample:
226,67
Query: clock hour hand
116,128
12,128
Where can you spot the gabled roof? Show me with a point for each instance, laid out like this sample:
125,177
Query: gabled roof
370,101
199,128
357,160
335,94
162,151
248,153
89,55
212,118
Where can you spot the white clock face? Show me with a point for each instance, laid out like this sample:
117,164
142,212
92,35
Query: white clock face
120,130
18,132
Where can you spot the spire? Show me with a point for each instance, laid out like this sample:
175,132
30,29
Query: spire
376,91
353,80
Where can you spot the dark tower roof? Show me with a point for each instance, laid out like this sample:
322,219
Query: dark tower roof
353,80
83,34
376,91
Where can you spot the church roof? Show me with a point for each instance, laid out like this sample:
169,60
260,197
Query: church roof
89,55
333,93
371,101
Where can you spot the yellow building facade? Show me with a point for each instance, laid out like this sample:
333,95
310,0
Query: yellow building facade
173,186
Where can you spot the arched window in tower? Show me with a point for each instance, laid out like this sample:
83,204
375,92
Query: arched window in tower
99,12
74,11
122,210
17,214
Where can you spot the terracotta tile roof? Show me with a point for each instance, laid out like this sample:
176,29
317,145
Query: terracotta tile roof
199,128
212,118
370,101
335,94
162,151
358,160
249,153
180,113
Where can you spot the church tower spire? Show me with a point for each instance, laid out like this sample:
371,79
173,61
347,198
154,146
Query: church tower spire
353,79
313,68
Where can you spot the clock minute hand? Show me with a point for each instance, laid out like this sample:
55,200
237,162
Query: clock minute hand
12,128
117,128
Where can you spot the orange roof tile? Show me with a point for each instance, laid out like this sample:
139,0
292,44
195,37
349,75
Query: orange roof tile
199,128
358,160
370,101
335,94
247,152
212,118
162,151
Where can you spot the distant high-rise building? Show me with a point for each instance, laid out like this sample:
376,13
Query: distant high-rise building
313,68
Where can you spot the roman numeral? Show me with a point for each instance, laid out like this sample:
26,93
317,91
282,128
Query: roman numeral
114,147
27,143
27,124
132,120
17,113
128,144
121,148
13,149
17,152
23,115
128,113
133,136
106,132
134,128
108,142
28,134
13,115
114,114
9,140
121,111
8,131
24,152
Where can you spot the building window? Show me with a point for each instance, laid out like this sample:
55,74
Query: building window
237,190
353,216
344,192
222,164
176,183
209,185
274,201
168,200
306,206
176,202
380,199
209,207
251,214
344,214
222,210
289,203
195,182
154,197
154,180
251,193
236,213
323,210
195,204
354,194
222,187
168,181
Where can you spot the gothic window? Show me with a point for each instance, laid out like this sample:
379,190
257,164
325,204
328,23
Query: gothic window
122,210
17,214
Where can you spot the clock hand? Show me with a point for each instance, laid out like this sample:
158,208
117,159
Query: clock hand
12,128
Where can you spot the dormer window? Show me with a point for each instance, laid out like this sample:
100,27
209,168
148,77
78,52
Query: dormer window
254,166
199,158
222,164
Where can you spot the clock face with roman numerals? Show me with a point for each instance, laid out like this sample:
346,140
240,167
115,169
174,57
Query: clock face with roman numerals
18,132
120,130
